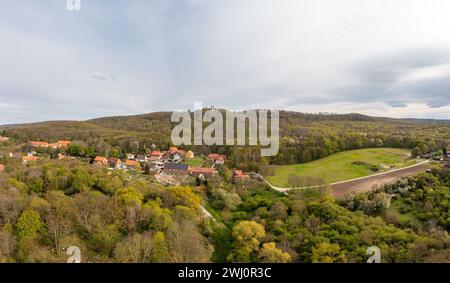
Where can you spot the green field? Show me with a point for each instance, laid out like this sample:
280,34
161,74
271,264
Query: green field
195,162
341,167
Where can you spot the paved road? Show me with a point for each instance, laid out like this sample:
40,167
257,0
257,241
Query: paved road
366,183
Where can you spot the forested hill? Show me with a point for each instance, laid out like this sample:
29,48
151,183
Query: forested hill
304,137
157,121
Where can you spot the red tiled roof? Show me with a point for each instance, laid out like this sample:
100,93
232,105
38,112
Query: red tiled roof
101,159
2,168
131,163
214,156
201,170
239,174
30,158
156,153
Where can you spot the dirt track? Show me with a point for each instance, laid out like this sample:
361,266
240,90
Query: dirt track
366,184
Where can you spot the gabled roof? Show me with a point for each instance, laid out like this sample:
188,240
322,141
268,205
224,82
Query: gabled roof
240,174
156,153
131,163
114,160
30,158
214,156
101,159
38,143
202,170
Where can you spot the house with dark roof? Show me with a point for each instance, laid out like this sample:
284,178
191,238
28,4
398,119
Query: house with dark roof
176,168
141,158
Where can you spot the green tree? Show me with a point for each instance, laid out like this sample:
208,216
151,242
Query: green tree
129,196
29,224
327,253
269,253
247,236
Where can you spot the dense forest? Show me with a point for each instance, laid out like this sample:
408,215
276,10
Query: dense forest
303,137
50,206
114,217
117,216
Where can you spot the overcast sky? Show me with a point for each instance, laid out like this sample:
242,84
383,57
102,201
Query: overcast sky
383,58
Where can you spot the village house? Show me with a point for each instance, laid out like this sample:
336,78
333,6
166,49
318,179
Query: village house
4,139
239,176
29,159
189,154
115,163
141,158
175,154
202,171
2,168
181,153
172,168
100,160
155,156
130,156
39,144
131,164
172,150
176,157
60,144
217,159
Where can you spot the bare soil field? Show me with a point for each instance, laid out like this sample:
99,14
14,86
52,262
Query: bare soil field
366,184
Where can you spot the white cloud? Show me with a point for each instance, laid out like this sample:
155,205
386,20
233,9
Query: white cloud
308,55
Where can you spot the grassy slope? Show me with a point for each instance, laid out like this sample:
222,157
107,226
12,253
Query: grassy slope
339,167
195,162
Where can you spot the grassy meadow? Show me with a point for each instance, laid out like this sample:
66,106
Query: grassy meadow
344,165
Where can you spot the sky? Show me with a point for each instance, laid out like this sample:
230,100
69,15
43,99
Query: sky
123,57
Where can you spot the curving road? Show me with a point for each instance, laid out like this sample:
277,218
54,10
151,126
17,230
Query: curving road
364,184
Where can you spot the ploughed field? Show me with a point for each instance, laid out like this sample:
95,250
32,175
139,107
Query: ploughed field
345,165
